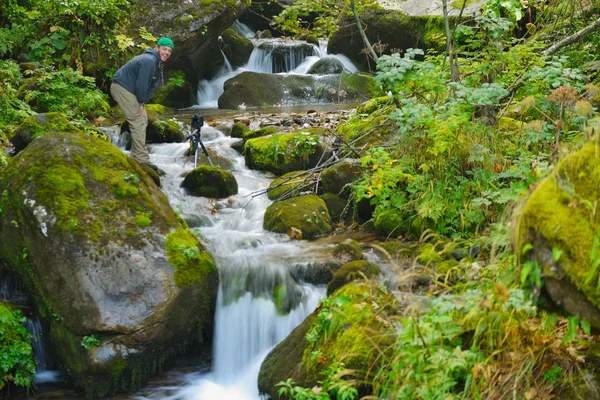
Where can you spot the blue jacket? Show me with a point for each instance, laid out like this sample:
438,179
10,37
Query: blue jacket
140,75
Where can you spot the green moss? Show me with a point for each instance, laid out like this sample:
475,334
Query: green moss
157,110
360,83
285,152
287,183
143,220
307,213
62,181
354,270
208,181
506,124
559,210
350,328
428,255
164,132
373,130
238,130
389,223
337,206
372,105
269,130
191,262
39,125
348,251
337,178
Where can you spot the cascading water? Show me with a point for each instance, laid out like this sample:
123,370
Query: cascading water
259,303
12,291
269,56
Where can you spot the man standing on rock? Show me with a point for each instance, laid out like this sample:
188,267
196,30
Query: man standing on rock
133,85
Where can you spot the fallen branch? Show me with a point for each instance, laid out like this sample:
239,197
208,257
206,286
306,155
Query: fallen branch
570,39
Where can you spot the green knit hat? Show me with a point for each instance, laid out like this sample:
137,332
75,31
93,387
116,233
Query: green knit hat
165,41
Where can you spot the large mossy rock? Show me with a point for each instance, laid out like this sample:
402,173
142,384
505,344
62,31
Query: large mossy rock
307,213
327,65
291,184
389,27
354,270
96,244
236,47
335,178
370,130
175,95
339,333
285,152
212,182
559,230
253,89
40,125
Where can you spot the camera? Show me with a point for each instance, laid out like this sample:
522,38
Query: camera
197,121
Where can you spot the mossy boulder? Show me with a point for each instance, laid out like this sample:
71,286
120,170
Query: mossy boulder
391,27
354,270
236,47
390,223
164,132
39,125
336,178
317,273
291,184
339,333
253,89
558,230
338,206
372,130
83,227
372,105
347,251
238,130
175,95
265,131
326,65
194,26
212,182
307,213
285,152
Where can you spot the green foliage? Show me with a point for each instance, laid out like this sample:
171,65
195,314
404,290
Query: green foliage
332,386
14,109
16,356
64,32
89,342
68,92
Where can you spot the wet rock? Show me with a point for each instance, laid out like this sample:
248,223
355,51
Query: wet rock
348,251
103,257
307,213
285,152
349,339
39,125
291,184
238,146
558,232
337,178
391,223
337,206
212,182
256,90
316,273
327,65
175,94
354,270
236,47
239,129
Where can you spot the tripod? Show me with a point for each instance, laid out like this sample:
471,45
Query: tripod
196,139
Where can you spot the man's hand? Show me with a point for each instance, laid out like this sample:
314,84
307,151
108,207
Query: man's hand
143,109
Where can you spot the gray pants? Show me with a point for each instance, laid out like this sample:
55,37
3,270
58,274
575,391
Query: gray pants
138,121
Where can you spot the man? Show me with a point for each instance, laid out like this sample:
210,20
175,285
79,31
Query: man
133,85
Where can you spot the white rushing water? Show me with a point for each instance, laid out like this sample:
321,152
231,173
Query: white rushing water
269,56
253,265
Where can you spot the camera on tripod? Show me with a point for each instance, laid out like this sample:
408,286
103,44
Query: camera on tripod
197,121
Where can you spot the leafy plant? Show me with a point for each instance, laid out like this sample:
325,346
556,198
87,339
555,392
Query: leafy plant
90,341
16,356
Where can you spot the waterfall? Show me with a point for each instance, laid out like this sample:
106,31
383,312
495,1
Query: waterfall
12,291
243,30
259,303
270,56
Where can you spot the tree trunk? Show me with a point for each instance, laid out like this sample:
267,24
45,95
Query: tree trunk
361,31
454,73
570,39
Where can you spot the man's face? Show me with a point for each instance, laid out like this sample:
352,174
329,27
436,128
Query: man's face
164,52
